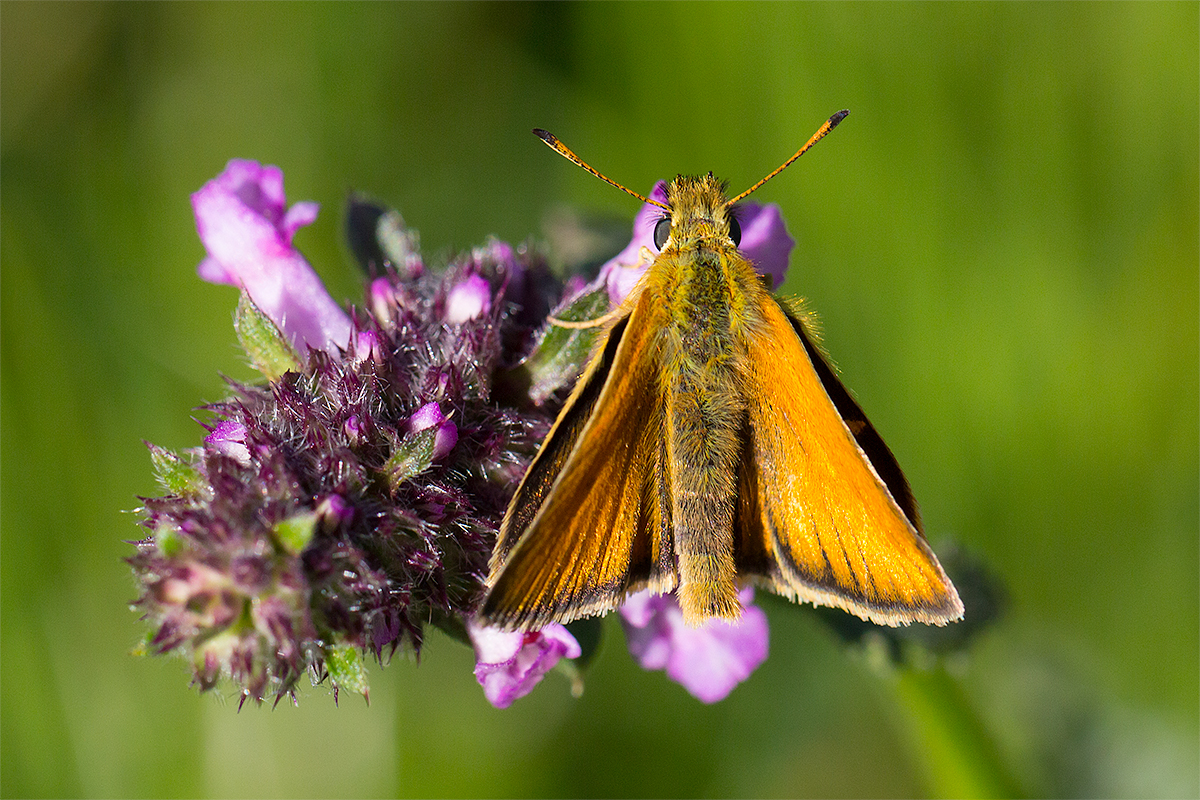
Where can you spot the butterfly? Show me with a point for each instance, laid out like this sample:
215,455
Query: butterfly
707,445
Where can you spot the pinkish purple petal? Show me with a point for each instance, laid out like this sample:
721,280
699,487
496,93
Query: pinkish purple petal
508,664
428,416
468,299
299,215
765,240
382,297
229,439
243,221
622,272
333,511
708,661
368,344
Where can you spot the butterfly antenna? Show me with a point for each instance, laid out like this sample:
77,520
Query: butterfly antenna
829,125
566,152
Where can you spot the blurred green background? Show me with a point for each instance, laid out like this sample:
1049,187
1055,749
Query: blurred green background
1001,241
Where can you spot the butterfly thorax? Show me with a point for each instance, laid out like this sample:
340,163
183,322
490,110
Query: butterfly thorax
701,282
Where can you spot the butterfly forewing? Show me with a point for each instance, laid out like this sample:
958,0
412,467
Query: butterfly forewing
815,520
868,439
556,448
600,530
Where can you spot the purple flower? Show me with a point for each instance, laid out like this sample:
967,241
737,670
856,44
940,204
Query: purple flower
243,221
428,416
341,510
334,511
708,661
368,344
508,664
765,241
622,272
228,438
468,299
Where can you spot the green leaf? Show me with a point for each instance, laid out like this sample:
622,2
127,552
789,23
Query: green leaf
295,532
174,474
268,349
562,352
346,669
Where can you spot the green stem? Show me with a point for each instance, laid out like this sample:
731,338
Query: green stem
960,756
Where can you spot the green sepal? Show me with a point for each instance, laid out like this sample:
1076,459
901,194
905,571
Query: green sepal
346,669
413,455
168,540
268,349
562,353
295,532
174,474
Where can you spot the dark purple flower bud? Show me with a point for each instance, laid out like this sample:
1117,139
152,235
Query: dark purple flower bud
382,297
429,415
228,438
353,429
334,512
368,345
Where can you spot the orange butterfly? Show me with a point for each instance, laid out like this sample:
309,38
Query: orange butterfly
708,444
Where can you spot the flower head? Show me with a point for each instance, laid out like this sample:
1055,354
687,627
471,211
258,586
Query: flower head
708,661
353,496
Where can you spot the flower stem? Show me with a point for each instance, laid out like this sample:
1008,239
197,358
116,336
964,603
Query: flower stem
960,757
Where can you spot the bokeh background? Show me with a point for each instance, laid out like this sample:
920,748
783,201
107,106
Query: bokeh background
1001,241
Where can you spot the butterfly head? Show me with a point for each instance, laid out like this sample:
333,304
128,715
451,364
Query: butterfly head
698,210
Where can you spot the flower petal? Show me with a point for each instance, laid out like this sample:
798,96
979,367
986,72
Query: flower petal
622,272
765,240
708,661
229,439
468,299
510,663
247,231
428,416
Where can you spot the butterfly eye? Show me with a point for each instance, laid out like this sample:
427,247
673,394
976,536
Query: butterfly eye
735,231
662,230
